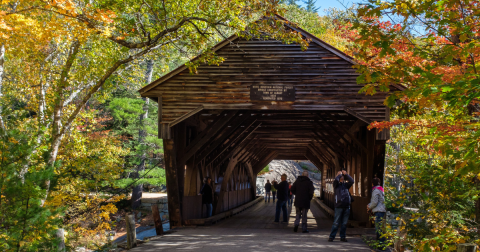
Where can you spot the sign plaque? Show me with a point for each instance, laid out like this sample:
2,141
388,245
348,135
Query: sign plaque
272,93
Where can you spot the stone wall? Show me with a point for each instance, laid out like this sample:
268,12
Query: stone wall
161,202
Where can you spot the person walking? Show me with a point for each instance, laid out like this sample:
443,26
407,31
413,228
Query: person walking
341,184
207,195
274,191
377,206
290,194
268,188
303,190
282,196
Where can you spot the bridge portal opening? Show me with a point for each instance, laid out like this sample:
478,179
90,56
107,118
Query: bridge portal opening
293,169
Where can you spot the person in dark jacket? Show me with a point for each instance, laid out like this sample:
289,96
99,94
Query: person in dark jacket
268,188
282,196
342,183
207,195
290,194
303,190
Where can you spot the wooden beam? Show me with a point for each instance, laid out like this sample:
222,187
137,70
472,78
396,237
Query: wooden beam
335,145
191,174
333,128
264,161
253,179
206,136
347,132
235,149
172,182
370,166
223,188
357,115
222,137
249,147
185,116
325,140
180,138
327,152
318,155
314,160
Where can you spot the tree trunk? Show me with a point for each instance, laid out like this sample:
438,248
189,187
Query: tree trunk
137,190
58,129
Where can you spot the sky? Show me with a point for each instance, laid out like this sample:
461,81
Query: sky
325,4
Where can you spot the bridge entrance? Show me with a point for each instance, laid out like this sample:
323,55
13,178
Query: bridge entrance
266,101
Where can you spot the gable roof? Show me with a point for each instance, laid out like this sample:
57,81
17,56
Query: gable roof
322,76
228,40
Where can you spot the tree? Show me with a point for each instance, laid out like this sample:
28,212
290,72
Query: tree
310,5
88,43
140,136
59,58
137,190
432,49
290,2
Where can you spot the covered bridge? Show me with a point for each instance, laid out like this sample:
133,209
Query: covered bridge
266,101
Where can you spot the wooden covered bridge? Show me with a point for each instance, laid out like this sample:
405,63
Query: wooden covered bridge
266,101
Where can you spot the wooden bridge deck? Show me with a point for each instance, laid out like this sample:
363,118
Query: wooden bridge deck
254,230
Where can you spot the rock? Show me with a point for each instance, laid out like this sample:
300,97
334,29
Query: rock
292,169
80,249
467,247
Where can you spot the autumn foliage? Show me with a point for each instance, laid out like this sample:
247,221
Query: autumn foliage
59,61
430,50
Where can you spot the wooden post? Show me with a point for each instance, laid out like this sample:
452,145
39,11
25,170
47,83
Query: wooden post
180,144
191,175
131,231
157,219
172,183
371,134
324,181
61,236
226,177
467,247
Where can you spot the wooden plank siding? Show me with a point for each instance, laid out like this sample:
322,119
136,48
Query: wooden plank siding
322,81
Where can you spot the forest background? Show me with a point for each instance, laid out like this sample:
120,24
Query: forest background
75,137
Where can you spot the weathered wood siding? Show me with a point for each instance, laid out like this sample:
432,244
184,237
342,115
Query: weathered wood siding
323,81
